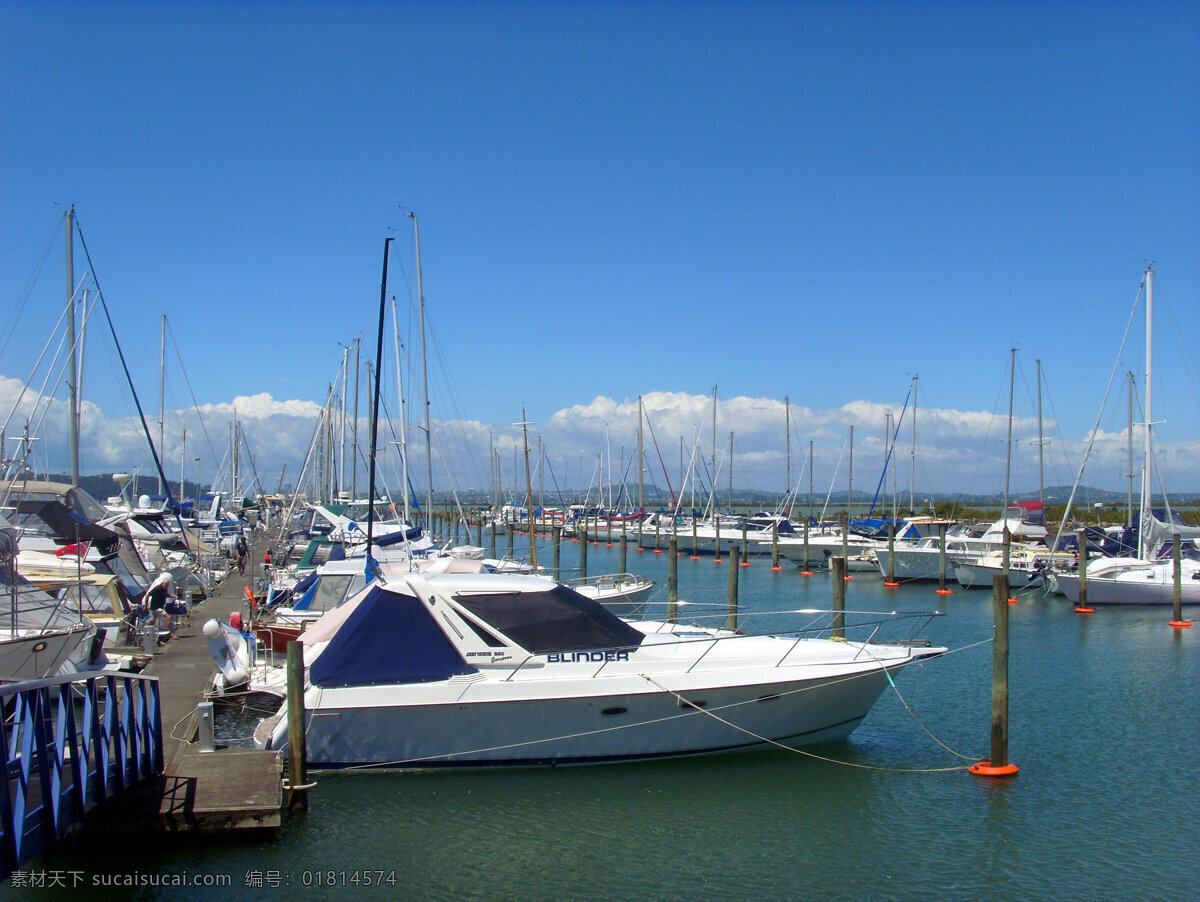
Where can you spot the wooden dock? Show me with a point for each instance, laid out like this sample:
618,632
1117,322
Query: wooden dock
227,789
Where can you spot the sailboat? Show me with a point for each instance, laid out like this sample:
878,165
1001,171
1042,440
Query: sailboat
1146,578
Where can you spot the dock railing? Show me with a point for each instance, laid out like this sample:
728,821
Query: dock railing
69,743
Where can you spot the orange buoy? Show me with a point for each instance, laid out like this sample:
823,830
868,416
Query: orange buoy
806,573
1012,601
984,769
776,568
1180,624
943,591
888,585
1085,610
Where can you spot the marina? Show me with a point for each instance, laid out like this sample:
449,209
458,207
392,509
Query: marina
1102,715
761,464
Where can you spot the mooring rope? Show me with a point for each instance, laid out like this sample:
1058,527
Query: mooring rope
788,748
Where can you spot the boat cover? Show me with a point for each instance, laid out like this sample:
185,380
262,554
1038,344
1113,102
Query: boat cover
388,638
411,534
558,619
67,526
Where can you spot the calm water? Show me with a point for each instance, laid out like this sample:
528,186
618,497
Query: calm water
1104,728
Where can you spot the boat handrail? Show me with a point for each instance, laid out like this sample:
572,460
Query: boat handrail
919,620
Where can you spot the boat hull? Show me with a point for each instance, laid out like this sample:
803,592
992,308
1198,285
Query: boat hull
1127,592
608,728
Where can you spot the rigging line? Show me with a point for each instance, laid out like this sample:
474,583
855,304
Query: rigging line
38,364
887,458
133,391
195,404
658,451
1099,416
10,328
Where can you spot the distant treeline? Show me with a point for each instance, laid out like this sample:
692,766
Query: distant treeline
102,486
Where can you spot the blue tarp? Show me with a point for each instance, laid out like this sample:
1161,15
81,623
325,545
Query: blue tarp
389,638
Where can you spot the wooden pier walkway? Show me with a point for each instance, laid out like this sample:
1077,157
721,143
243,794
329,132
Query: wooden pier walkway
227,789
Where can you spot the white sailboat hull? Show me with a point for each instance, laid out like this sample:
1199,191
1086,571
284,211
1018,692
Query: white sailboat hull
1140,583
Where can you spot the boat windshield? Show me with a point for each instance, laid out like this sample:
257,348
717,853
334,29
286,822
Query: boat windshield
558,619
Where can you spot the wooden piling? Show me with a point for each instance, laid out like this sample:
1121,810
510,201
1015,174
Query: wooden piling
745,555
673,581
1177,561
732,607
556,531
297,750
622,551
775,546
1082,606
583,543
941,589
890,582
838,563
998,765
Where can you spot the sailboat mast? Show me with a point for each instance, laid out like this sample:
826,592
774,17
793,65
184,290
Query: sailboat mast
1041,444
354,429
425,377
162,388
713,462
912,486
641,462
341,478
1129,499
72,374
787,431
731,472
810,483
1143,528
375,403
403,417
529,492
1012,373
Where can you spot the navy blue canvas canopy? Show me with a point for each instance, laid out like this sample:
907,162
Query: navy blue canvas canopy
411,534
389,638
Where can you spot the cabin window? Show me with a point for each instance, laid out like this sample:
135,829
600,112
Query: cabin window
559,619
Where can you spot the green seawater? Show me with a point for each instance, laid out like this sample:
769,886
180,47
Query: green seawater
1104,727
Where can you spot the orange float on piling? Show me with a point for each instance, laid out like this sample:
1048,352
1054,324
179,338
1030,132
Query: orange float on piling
1085,610
888,585
1180,624
984,769
943,591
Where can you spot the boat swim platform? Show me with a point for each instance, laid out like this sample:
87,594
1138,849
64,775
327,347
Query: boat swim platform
231,788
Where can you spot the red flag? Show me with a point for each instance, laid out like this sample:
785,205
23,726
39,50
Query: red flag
78,549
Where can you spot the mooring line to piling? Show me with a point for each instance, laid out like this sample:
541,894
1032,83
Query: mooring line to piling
907,707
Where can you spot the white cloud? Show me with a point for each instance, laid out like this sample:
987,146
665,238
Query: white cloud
956,451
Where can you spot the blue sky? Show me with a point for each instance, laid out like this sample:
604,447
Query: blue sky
814,200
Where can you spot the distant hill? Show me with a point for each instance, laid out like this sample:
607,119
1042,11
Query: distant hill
102,486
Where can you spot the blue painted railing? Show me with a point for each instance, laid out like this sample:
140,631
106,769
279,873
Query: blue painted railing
67,744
